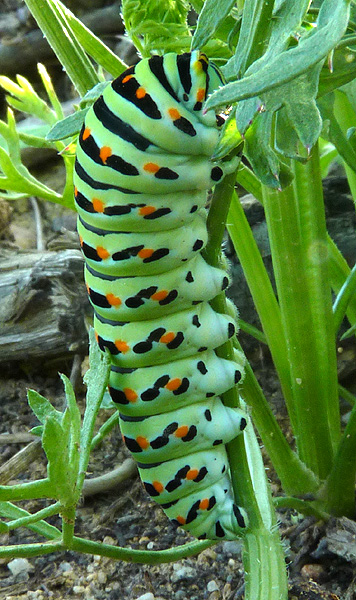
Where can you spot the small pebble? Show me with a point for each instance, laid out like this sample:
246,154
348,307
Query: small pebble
212,586
183,573
65,566
312,571
19,567
147,596
78,589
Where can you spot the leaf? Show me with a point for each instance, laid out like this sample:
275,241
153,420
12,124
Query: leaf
68,127
154,25
230,138
255,27
93,45
289,64
93,94
343,71
212,15
334,132
298,98
262,158
42,408
55,441
246,112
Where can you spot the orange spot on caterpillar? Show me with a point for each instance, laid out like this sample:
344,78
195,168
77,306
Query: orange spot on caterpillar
75,191
161,295
127,78
130,394
173,384
181,431
88,288
204,504
192,474
105,153
122,346
96,336
181,520
86,133
140,93
151,167
167,337
200,95
142,442
102,252
174,113
98,205
158,486
81,241
145,253
147,210
113,300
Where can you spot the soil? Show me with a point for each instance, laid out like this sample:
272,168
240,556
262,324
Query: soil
321,557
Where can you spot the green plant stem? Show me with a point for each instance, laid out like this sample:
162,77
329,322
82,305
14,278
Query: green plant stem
338,494
346,395
10,511
262,294
343,298
49,511
40,488
302,506
296,224
339,272
261,541
295,477
109,424
346,118
252,330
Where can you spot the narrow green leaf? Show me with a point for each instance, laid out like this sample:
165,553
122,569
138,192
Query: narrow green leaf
51,93
262,158
255,28
339,490
68,127
93,94
61,38
349,333
93,45
212,15
246,111
229,140
343,298
42,407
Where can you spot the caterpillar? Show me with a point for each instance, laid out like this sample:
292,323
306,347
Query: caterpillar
142,171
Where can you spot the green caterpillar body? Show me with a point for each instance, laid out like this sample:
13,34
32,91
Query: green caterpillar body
142,173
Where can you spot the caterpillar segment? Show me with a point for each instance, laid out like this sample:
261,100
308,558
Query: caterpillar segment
149,390
142,172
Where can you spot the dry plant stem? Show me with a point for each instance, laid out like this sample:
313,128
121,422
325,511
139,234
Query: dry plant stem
20,461
108,481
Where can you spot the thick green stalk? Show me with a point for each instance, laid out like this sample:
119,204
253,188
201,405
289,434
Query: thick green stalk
262,294
296,223
294,475
263,552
